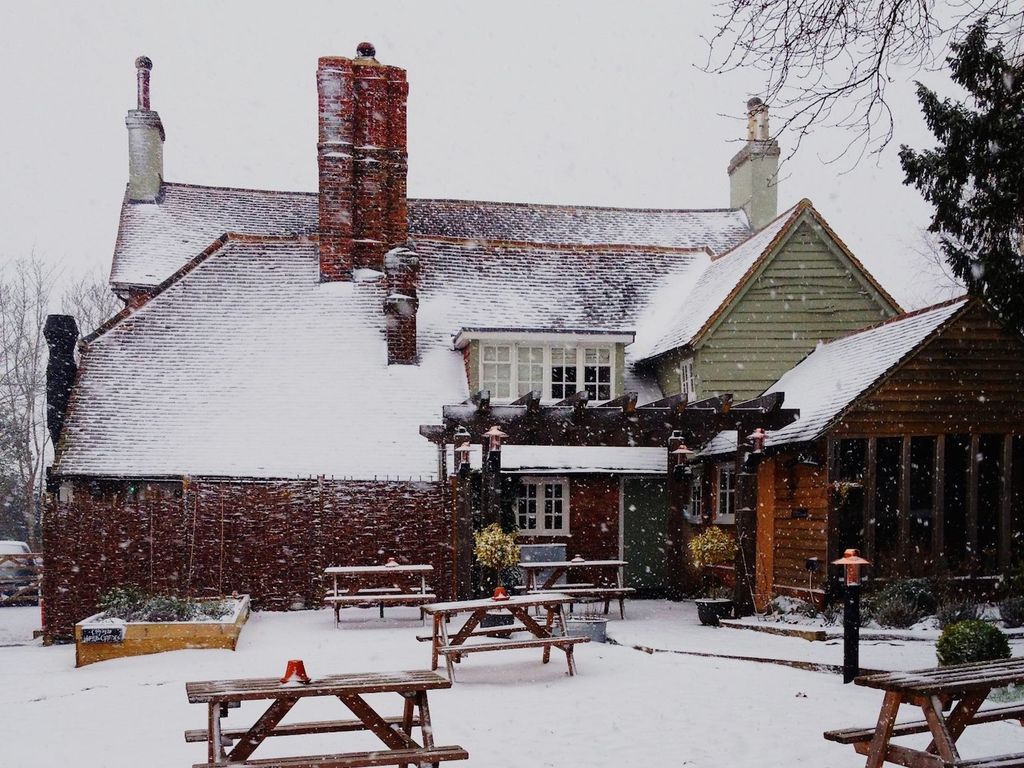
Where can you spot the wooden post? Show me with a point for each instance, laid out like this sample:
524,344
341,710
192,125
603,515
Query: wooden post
764,572
972,499
745,517
833,546
903,541
1005,505
939,506
870,498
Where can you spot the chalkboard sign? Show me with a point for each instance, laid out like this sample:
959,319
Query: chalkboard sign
109,634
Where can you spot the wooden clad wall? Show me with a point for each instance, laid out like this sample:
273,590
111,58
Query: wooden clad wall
969,379
806,293
792,524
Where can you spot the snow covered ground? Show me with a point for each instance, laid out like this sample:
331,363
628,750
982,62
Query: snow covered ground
625,708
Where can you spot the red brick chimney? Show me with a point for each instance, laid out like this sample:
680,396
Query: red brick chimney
362,162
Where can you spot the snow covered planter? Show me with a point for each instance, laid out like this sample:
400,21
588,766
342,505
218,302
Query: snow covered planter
157,624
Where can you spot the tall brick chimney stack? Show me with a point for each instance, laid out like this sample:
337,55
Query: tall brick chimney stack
754,170
145,142
362,162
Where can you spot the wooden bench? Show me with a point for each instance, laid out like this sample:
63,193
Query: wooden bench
992,715
962,689
429,755
591,593
197,735
368,600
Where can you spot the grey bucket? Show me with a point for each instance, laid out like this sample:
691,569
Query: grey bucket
588,626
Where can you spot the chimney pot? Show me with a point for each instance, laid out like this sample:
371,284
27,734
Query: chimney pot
753,171
366,50
143,66
145,142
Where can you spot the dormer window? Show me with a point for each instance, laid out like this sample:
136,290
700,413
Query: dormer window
556,365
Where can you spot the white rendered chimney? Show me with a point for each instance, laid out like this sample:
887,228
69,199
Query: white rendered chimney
145,142
754,170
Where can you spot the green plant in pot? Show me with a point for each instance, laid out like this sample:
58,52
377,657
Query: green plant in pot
498,555
710,548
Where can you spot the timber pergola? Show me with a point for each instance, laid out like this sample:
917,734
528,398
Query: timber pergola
664,423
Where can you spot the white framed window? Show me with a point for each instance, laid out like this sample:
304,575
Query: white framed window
530,369
542,507
556,370
687,386
725,499
597,372
496,370
695,509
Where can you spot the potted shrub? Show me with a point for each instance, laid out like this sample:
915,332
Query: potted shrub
498,554
710,548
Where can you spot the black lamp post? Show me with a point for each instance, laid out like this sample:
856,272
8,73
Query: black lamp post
852,563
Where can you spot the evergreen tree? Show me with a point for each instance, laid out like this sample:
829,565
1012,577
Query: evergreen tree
974,177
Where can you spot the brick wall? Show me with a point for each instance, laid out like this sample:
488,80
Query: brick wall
593,519
269,539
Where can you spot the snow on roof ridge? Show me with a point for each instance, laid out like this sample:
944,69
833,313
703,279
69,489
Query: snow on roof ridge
570,206
219,188
542,246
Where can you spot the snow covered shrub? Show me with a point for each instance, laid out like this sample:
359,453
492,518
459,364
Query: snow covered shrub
131,604
901,604
712,546
1011,611
971,640
955,611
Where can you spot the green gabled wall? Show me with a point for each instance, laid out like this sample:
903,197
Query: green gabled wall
808,292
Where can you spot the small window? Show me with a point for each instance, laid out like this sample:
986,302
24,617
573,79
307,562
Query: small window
530,369
563,372
695,509
597,372
496,370
726,496
542,507
686,382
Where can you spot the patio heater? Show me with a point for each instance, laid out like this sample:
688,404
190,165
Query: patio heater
852,563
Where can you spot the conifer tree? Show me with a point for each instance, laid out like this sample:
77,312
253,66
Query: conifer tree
974,176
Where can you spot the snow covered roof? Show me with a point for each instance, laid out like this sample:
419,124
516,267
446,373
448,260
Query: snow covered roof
564,459
723,442
155,240
680,316
835,374
248,366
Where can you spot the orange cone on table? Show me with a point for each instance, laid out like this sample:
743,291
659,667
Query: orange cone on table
295,672
499,594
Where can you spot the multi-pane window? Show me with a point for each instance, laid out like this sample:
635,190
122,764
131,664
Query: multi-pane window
542,507
725,508
597,372
563,372
530,369
496,370
686,383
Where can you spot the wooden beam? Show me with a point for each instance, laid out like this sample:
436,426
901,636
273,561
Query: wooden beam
972,498
575,400
1005,505
939,506
481,399
764,403
626,402
903,518
870,498
531,400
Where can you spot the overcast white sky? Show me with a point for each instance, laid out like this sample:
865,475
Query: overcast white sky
596,103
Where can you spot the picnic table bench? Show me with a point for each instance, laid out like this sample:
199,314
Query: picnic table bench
962,687
580,591
365,586
350,689
454,647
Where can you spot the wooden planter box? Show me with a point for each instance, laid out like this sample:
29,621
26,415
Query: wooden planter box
95,641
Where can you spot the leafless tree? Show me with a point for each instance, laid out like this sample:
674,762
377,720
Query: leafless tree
26,289
90,301
829,63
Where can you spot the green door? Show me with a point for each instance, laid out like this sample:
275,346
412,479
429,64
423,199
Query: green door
644,530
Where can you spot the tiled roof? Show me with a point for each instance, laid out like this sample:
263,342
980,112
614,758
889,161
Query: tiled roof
835,374
154,240
249,366
517,285
713,289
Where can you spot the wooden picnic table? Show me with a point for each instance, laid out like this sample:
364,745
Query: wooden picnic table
380,585
350,689
454,646
962,689
612,590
